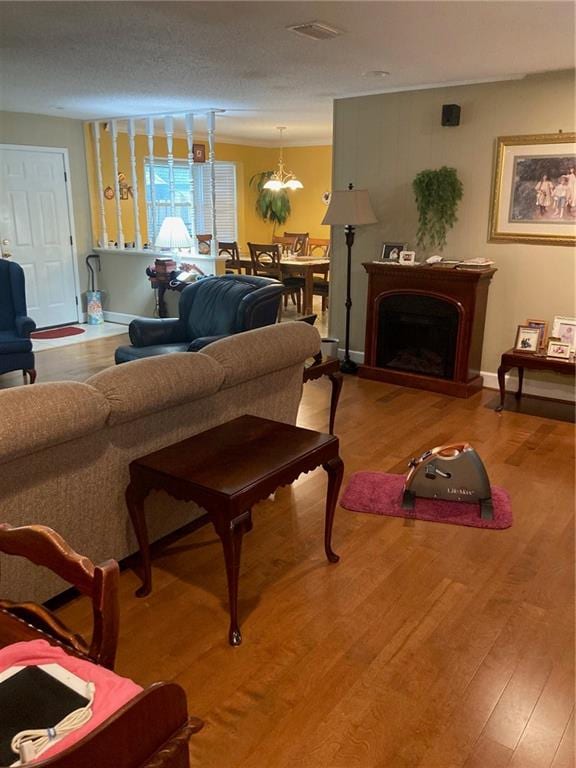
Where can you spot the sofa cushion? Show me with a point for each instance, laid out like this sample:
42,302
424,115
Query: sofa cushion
264,350
153,384
38,416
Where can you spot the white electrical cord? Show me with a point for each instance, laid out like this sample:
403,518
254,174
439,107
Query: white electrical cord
30,744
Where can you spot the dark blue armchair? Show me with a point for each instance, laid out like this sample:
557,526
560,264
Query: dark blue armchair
15,326
209,309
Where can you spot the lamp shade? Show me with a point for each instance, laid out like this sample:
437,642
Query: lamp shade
173,234
350,207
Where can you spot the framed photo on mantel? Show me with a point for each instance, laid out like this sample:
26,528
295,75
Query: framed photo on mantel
534,190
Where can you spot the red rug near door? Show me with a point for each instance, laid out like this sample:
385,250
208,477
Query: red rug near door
58,333
381,494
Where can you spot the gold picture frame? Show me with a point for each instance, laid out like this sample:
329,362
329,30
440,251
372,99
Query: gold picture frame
527,340
510,219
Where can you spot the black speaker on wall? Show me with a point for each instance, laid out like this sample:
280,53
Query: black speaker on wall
450,114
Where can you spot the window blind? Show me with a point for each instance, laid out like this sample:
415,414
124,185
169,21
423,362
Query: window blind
226,199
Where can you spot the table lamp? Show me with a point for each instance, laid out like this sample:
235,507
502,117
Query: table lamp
351,208
173,234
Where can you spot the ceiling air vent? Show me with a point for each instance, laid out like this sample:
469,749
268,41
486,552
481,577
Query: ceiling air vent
317,30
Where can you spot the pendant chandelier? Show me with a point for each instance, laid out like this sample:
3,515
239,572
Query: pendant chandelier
282,179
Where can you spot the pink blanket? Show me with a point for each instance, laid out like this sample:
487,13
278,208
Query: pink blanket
111,690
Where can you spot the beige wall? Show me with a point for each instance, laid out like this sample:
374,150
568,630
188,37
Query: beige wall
43,131
381,142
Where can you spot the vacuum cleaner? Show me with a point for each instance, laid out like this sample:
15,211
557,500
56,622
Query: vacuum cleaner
450,472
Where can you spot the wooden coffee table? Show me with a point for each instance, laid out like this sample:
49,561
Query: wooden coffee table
226,470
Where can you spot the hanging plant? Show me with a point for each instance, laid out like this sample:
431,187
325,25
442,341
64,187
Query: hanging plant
437,196
271,205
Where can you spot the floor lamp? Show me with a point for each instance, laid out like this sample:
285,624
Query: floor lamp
350,207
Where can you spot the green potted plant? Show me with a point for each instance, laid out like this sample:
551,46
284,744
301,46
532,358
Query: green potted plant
271,205
437,194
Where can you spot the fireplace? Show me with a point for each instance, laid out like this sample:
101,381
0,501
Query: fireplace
417,333
425,327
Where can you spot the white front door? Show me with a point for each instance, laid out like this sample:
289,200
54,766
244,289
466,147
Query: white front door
35,230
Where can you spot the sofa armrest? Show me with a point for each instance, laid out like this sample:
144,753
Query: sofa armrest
203,341
24,326
144,332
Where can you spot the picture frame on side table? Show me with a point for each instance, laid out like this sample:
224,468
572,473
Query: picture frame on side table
527,339
534,190
564,328
558,350
390,253
407,258
543,325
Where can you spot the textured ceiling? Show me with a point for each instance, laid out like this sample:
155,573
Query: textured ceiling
103,59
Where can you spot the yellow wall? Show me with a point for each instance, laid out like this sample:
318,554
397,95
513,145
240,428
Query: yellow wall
312,165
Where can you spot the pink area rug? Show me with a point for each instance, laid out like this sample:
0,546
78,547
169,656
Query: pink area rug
381,494
57,333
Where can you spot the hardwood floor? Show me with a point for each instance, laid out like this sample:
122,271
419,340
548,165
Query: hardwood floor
427,646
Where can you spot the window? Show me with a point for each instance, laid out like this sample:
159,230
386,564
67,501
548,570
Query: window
226,210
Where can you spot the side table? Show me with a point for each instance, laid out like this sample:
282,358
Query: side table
521,360
226,470
328,366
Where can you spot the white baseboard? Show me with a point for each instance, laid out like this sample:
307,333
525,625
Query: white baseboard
556,390
357,357
119,317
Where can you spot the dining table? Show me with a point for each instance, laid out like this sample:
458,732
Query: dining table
296,266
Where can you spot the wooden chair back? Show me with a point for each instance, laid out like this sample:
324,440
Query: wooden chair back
318,248
287,244
204,243
300,242
43,546
230,250
265,258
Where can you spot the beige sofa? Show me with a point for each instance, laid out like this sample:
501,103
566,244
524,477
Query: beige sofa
65,447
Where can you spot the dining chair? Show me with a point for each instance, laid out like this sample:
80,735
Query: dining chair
318,248
300,242
233,265
266,261
287,244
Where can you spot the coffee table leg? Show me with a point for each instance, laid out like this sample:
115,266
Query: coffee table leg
230,533
336,379
135,497
335,470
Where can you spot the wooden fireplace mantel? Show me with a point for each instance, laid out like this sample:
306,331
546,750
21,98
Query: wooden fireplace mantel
466,289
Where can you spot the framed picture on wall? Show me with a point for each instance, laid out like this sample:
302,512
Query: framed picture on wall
534,190
199,152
